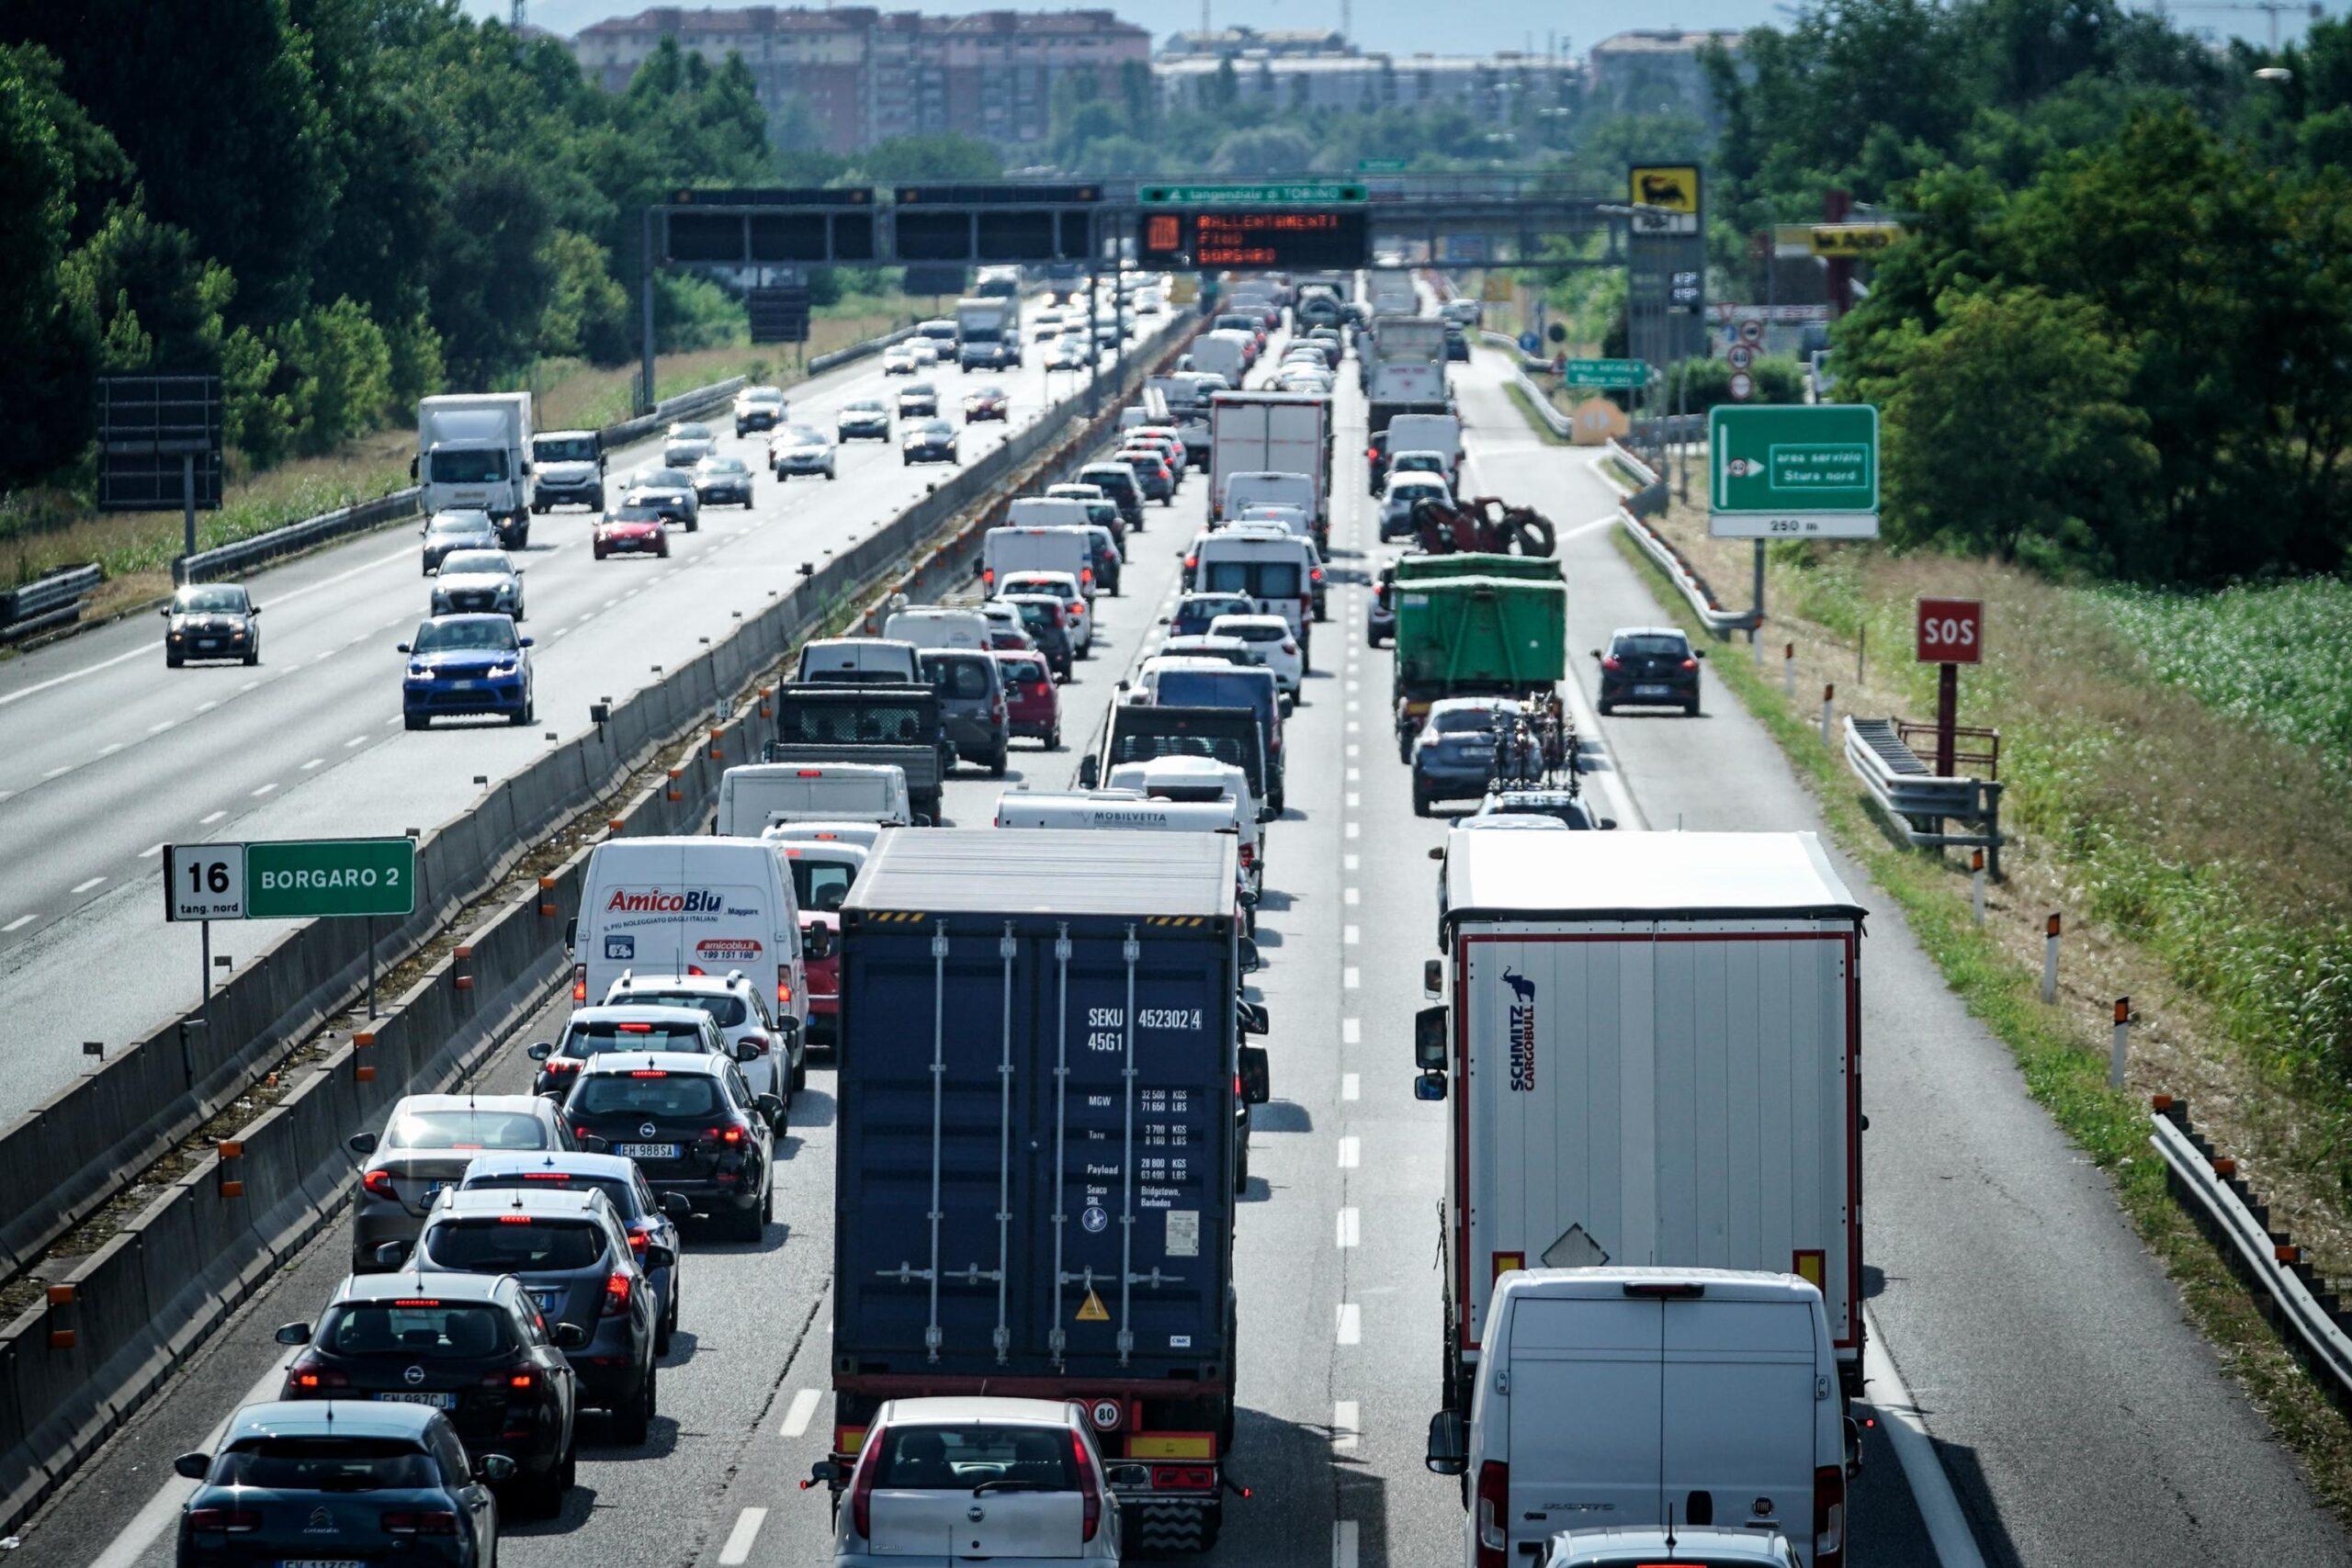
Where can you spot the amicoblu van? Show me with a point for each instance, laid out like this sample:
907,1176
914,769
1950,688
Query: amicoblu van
1614,1395
689,906
757,796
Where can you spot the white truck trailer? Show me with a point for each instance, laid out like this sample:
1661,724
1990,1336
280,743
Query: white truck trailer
1287,433
1653,1046
988,332
473,453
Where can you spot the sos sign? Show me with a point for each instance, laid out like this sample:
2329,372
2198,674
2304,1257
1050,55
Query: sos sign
1950,631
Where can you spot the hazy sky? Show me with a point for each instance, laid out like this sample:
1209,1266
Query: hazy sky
1397,25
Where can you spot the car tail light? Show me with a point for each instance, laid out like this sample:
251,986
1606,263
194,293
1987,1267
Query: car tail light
558,1064
634,1028
1249,855
1289,647
617,1292
1829,1516
233,1521
648,1073
861,1484
579,982
638,1243
988,577
1494,1514
1371,454
308,1375
1689,664
1088,1486
1183,1478
421,1521
784,985
580,1130
1192,561
524,1381
1086,574
1612,664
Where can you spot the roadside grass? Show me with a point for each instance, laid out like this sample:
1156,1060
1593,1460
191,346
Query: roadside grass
1544,431
2063,1069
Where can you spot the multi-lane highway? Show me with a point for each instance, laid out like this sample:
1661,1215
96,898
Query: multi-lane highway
105,756
2054,1409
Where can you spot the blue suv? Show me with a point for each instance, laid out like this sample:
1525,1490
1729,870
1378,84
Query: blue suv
468,664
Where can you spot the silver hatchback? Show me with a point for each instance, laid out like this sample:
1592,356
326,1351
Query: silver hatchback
427,1143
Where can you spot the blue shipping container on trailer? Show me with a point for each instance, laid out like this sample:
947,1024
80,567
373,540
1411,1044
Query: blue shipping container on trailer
1036,1145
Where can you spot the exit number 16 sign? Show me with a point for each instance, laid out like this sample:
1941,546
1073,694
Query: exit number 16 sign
1952,631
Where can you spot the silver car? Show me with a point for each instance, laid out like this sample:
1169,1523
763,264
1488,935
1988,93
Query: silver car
688,445
801,449
426,1145
445,532
478,580
865,420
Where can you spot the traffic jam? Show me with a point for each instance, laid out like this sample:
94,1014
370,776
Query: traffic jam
990,926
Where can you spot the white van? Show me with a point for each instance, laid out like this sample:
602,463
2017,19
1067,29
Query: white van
1439,432
1126,810
870,661
1253,487
1045,512
1277,573
1720,1390
757,796
1201,781
696,905
929,626
858,835
1040,547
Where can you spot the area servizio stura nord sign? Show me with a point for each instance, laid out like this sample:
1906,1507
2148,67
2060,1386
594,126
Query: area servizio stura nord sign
1804,471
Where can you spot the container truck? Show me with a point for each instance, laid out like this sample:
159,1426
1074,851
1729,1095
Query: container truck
1287,433
1653,1046
473,453
1036,1156
987,333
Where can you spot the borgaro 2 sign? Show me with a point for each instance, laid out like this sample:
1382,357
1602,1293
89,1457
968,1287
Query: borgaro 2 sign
291,879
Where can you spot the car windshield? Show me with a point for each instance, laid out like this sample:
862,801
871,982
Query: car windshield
1463,721
325,1464
691,433
1030,1458
1213,689
470,466
956,677
419,1327
714,464
864,406
1133,747
587,1037
665,478
621,1192
1040,617
459,525
1194,616
1669,647
460,563
477,633
985,392
515,1244
726,1009
1419,463
637,510
1259,578
820,885
1023,670
763,395
803,435
919,390
1037,582
460,1128
1250,630
569,449
647,1093
209,601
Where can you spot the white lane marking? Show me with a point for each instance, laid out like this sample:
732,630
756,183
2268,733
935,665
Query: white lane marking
1352,863
85,886
559,631
1350,1227
1354,703
314,762
1351,1086
798,1414
1351,896
207,708
251,684
151,851
1345,1414
324,654
1351,1323
159,728
1343,1538
7,793
354,740
1916,1451
1355,775
58,773
265,789
208,821
19,923
1355,800
1350,1151
1355,749
161,1510
110,750
1350,977
1354,831
1350,935
1351,1032
391,721
1354,728
739,1539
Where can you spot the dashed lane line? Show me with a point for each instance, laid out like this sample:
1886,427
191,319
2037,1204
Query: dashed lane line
739,1539
1351,1323
19,923
798,1413
80,888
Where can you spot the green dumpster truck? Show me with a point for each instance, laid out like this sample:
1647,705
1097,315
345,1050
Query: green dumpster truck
1483,634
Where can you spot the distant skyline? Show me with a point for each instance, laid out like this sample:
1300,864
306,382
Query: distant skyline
1398,27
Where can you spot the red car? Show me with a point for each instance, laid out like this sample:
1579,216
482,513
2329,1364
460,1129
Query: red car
636,528
1034,704
989,403
822,874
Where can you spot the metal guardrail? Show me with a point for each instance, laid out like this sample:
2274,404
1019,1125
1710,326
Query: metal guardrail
1920,803
1647,501
53,599
227,561
2309,1314
1554,419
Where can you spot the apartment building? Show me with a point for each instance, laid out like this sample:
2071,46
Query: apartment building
1492,88
1657,71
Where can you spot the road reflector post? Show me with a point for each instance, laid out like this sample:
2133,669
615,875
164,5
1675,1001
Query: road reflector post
2050,960
546,898
61,1317
1828,699
461,967
2121,1052
229,1172
363,1042
616,825
676,794
1976,877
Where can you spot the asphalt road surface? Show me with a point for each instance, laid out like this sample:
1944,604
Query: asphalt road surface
2064,1414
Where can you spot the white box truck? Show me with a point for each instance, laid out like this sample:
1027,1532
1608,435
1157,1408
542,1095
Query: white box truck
1391,293
1288,432
473,453
1221,354
987,333
1403,367
1652,1042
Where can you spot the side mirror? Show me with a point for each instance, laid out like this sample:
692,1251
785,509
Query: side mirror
361,1143
660,1256
495,1470
750,1048
592,1145
1429,1086
675,1207
192,1467
1136,1476
1853,1448
1251,961
1438,853
1164,620
540,1050
252,609
770,1106
1605,823
1247,898
817,942
1698,653
400,648
1433,978
1121,686
1252,1017
1429,1039
824,1472
525,641
1257,1074
392,1253
1089,773
790,1029
1596,653
293,1334
1449,1451
569,1336
166,613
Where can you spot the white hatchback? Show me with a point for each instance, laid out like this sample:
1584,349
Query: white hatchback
1017,1481
1271,639
1077,609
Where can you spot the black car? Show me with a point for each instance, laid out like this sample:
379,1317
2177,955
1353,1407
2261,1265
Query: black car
470,1344
1380,615
1117,481
1649,666
211,620
722,481
573,1260
459,530
366,1480
1195,612
928,441
971,699
693,1126
1457,343
1041,617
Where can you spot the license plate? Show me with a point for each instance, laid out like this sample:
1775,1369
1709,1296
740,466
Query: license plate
465,685
320,1563
1652,691
646,1151
437,1401
549,1300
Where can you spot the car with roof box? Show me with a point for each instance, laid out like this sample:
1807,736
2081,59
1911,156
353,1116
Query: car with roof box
693,1125
475,1347
650,1219
426,1143
385,1482
568,1252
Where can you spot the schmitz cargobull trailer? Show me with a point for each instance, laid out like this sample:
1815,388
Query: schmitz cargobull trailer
1653,1046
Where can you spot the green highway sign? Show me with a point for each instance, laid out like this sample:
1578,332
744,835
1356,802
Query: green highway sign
1604,373
1270,194
302,878
1799,471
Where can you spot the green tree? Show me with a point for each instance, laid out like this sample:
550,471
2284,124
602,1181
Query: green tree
933,156
44,348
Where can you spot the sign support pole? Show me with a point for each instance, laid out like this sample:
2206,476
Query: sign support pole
187,500
1947,717
1755,631
204,937
371,968
645,309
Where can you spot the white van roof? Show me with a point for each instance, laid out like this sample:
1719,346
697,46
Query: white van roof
1598,876
1614,1282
